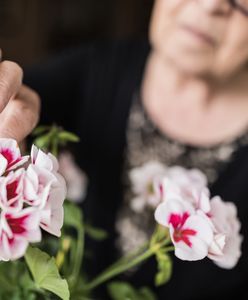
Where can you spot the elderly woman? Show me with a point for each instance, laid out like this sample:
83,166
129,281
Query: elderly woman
180,101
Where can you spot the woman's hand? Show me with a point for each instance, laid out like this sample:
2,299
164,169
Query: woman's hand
19,105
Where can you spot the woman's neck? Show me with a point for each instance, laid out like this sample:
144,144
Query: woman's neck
169,79
169,93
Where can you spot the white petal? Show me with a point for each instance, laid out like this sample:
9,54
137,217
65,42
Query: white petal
3,164
34,153
217,246
43,161
19,163
56,222
12,146
5,253
161,214
55,162
197,252
170,189
172,206
18,248
204,201
232,253
200,242
202,227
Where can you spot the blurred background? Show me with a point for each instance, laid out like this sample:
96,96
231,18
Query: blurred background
31,30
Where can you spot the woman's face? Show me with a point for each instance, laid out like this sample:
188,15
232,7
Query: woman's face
204,37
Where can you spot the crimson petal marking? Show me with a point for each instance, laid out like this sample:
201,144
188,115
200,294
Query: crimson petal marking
8,154
183,235
12,190
16,224
178,220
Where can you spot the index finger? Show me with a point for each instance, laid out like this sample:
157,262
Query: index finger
21,115
11,76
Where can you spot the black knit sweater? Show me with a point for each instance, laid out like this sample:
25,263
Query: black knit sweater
89,90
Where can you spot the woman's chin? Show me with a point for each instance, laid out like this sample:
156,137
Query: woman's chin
191,64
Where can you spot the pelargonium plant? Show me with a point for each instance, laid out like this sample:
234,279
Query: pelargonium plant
32,192
31,198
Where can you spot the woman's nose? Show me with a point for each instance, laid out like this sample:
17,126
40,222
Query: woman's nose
216,6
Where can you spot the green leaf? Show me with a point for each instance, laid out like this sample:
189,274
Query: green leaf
45,273
147,294
95,233
73,215
124,291
9,280
164,268
67,136
43,141
40,129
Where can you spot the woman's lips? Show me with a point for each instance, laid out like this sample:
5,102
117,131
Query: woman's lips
201,36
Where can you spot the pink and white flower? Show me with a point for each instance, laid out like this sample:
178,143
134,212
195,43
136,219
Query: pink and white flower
199,197
190,232
52,216
47,161
187,179
11,191
42,160
45,188
31,198
17,230
225,252
142,180
199,227
10,155
189,183
37,185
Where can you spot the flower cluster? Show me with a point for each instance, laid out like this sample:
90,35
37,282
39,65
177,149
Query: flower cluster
32,193
199,226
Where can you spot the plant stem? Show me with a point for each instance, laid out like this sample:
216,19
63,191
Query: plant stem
123,265
120,268
78,257
128,257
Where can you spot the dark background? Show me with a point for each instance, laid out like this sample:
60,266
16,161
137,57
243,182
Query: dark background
30,30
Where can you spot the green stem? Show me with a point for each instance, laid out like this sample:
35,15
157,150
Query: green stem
123,265
54,141
78,257
106,275
128,257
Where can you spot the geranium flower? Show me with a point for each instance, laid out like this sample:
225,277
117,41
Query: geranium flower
225,252
30,199
11,191
52,215
190,233
48,186
16,231
43,160
187,179
76,180
37,185
189,183
142,180
10,155
49,162
198,196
